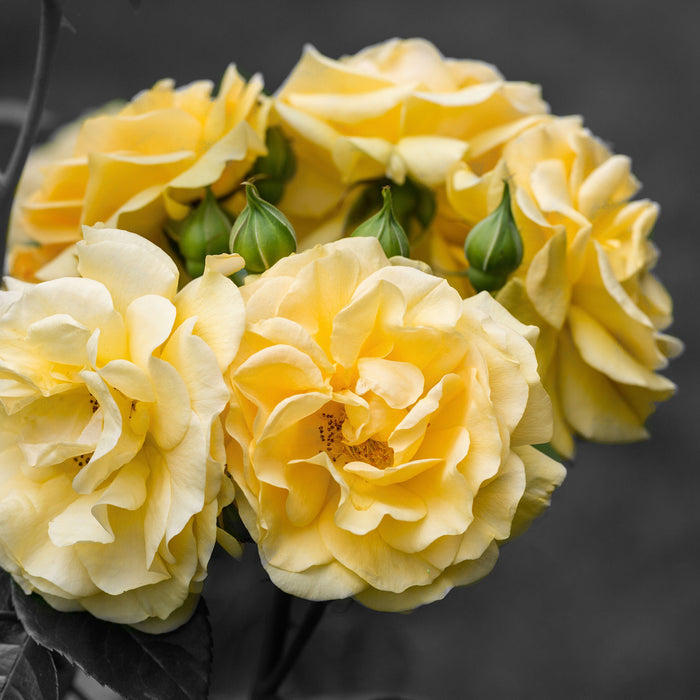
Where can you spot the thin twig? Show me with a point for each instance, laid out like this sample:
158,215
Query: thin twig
49,25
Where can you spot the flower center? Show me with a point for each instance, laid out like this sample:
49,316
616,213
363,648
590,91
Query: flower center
82,460
371,451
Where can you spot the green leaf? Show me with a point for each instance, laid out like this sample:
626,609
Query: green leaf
139,666
27,670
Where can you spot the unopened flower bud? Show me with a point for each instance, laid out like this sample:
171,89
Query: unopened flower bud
205,231
262,235
494,248
385,227
276,167
413,205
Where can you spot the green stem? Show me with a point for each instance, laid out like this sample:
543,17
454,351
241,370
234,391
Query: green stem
49,25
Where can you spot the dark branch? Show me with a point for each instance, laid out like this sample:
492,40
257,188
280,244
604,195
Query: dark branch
49,25
271,684
273,643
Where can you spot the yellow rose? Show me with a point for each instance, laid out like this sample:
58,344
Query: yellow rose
381,435
585,277
395,110
135,168
24,255
111,439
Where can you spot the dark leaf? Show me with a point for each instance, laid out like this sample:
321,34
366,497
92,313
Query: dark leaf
139,666
5,591
27,671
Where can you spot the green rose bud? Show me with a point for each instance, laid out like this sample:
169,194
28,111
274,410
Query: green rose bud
494,248
413,204
276,167
204,231
262,235
385,227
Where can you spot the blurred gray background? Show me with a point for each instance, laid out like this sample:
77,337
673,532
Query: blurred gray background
601,598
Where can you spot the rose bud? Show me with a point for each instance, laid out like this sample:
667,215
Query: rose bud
385,227
205,231
413,205
262,235
494,248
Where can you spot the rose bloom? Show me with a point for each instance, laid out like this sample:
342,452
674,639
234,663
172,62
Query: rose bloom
25,256
111,441
382,428
393,110
136,167
585,279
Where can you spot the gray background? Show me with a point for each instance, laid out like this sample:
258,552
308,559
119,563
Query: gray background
601,598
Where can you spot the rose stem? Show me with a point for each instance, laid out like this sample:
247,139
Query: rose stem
49,25
273,643
306,629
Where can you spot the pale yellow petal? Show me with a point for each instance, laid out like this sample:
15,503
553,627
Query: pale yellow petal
149,321
171,414
542,475
600,350
217,305
370,558
460,575
362,158
398,383
591,403
547,281
128,265
429,158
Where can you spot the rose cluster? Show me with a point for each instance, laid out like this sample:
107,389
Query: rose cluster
374,411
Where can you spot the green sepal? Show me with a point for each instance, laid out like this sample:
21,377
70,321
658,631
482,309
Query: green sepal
386,229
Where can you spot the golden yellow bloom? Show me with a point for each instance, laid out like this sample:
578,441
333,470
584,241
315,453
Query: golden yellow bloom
25,256
396,110
111,441
381,435
585,279
134,168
